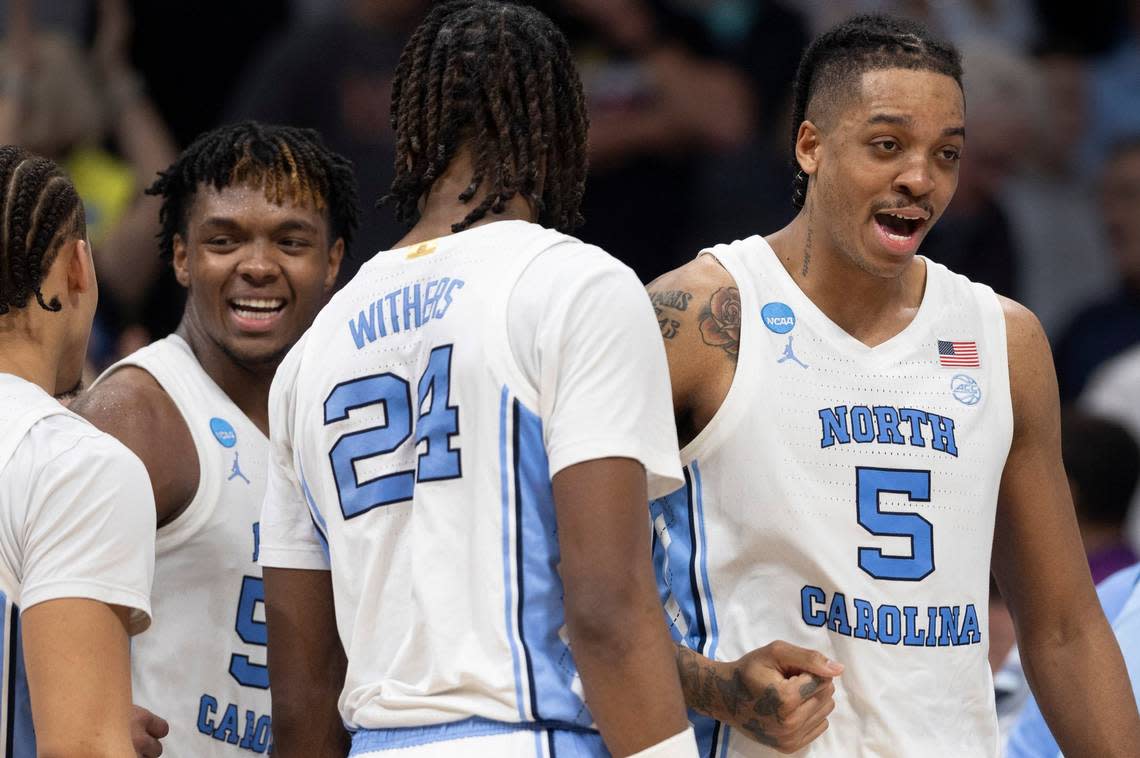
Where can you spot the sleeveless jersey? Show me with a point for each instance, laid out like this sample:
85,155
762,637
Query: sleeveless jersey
60,476
843,499
424,448
202,666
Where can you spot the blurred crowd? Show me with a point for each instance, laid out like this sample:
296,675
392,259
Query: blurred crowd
689,146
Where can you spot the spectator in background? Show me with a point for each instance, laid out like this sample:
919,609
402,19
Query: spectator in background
658,107
974,236
1110,325
1102,461
1052,209
62,102
1116,90
335,76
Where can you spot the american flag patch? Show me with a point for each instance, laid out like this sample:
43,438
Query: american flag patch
958,354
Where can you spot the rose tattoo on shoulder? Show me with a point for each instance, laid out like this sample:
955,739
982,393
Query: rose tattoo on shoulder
720,321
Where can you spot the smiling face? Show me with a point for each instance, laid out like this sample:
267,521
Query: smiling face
883,166
257,272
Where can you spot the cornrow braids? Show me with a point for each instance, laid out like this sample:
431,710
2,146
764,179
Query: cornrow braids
39,210
499,79
287,163
835,60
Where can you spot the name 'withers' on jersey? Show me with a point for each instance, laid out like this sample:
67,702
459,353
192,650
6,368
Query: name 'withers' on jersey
403,309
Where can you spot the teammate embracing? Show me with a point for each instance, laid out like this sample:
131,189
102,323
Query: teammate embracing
256,219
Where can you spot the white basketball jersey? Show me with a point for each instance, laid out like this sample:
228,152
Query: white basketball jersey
843,499
202,665
76,521
444,550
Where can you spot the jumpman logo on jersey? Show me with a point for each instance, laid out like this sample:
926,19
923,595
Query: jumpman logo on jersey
235,472
789,355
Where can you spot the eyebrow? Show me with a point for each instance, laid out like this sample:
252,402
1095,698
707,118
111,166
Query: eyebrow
288,225
907,121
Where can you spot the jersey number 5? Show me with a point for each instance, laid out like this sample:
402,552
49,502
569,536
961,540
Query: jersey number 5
435,426
869,483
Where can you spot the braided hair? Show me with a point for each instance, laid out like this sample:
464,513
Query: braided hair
39,211
832,64
499,79
286,162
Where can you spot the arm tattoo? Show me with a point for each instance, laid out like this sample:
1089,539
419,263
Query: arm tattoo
720,321
675,299
728,699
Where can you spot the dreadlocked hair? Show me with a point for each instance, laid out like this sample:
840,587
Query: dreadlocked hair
40,211
499,79
286,162
832,64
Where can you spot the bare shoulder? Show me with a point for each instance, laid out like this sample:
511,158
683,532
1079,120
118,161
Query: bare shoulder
698,311
1033,380
132,407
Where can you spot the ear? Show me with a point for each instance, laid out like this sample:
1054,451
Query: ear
80,266
336,255
809,146
181,260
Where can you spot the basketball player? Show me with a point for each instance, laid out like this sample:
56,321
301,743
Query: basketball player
463,443
76,510
255,219
852,415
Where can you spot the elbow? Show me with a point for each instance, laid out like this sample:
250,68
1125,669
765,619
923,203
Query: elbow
607,619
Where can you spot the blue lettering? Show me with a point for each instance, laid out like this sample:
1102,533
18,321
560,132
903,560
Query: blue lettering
942,434
864,620
862,424
932,617
412,312
364,328
394,314
949,618
837,615
916,419
888,424
889,625
429,298
256,540
834,426
971,632
808,596
453,285
207,707
913,633
227,730
247,735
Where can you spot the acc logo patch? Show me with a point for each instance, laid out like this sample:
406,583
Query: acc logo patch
223,432
965,389
778,317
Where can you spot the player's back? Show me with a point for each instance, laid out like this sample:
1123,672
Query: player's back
843,499
421,451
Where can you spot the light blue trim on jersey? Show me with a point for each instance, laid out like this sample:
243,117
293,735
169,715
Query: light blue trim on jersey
563,743
21,737
552,671
319,525
505,486
682,574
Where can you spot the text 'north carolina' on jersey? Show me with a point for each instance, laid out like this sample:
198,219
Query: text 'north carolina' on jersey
415,430
843,499
202,666
76,521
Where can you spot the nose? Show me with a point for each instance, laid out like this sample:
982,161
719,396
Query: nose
259,265
916,178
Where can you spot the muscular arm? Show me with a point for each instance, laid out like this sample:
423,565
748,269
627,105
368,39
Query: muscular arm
132,407
692,304
1070,656
79,684
306,664
613,616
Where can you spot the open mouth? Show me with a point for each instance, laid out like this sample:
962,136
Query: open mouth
898,227
256,308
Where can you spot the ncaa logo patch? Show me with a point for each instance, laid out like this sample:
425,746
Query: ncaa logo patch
223,432
965,389
778,317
